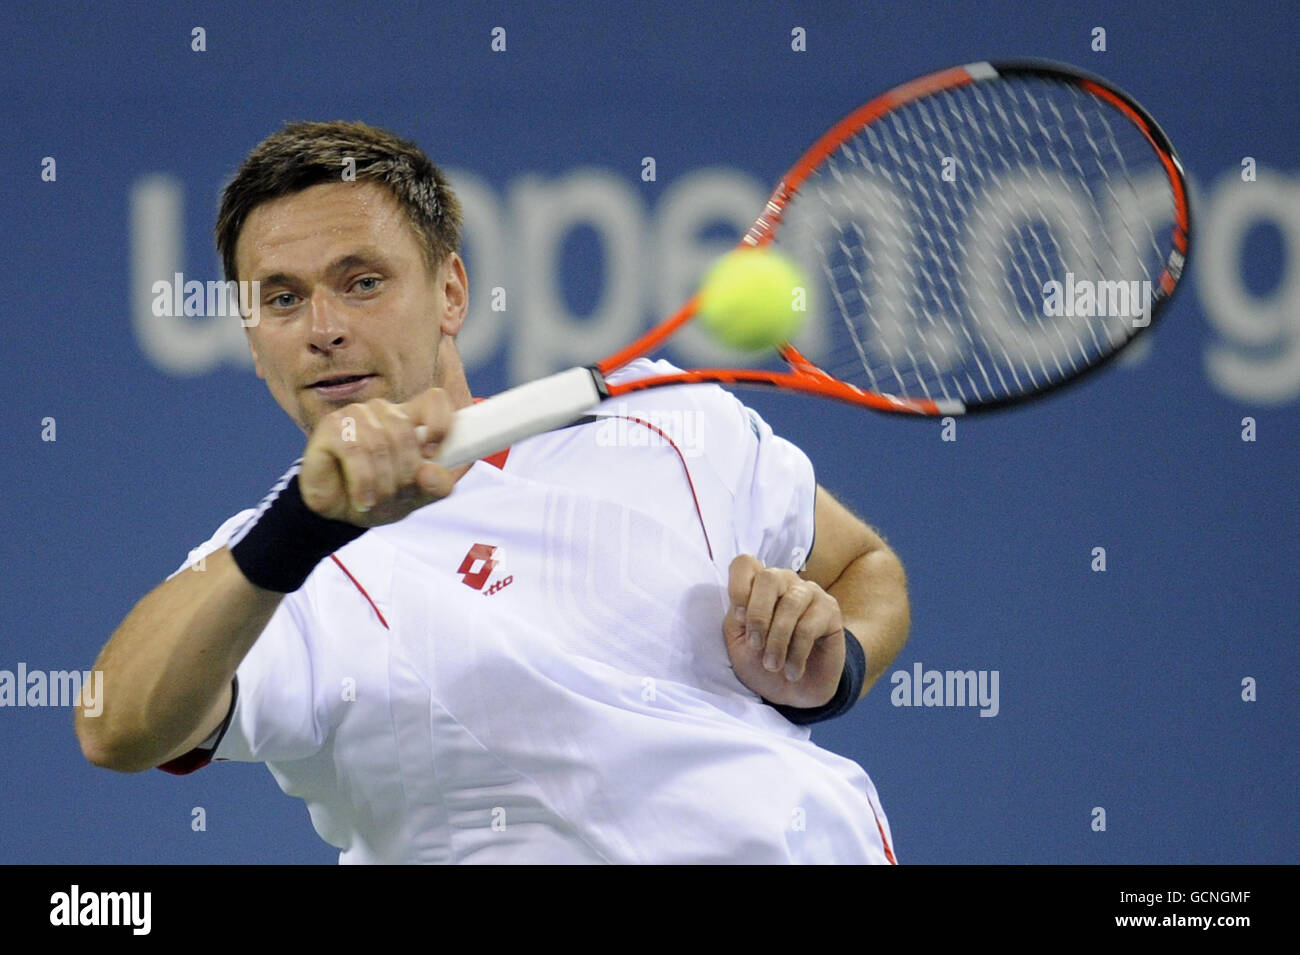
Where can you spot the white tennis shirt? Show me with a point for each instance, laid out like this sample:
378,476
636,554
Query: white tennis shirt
533,669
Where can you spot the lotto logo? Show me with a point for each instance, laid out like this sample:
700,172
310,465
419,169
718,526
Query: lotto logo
478,565
499,585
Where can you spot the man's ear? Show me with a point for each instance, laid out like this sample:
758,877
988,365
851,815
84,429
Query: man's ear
455,288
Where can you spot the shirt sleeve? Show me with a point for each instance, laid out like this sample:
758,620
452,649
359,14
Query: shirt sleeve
272,714
214,543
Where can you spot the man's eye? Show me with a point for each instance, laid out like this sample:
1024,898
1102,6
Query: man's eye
368,284
279,300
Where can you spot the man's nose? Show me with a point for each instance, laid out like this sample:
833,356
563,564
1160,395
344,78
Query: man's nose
328,329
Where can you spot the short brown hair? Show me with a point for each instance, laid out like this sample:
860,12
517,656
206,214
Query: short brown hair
305,154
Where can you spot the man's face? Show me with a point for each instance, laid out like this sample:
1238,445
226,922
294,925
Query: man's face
348,308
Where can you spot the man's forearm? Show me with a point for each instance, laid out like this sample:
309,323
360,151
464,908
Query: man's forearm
872,594
168,663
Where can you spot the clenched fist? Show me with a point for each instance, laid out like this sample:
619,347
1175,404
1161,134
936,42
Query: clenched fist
784,634
366,463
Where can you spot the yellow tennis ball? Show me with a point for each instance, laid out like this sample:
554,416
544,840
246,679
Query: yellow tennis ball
753,299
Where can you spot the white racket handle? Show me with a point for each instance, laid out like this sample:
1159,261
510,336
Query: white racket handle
498,422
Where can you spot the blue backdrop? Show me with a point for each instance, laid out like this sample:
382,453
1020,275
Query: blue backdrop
1162,690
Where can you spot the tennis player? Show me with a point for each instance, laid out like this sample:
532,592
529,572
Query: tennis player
577,650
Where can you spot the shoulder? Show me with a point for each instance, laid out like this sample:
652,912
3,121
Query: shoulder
714,407
722,426
703,417
754,487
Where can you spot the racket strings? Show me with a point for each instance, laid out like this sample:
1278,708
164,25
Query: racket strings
1153,252
1041,128
940,229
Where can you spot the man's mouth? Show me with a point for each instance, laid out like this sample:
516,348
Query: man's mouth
340,386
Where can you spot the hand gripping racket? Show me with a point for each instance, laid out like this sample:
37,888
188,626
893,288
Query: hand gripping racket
986,234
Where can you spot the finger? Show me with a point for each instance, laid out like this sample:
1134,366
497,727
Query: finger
381,445
320,481
818,621
432,415
404,445
354,440
740,579
767,589
434,482
358,476
791,606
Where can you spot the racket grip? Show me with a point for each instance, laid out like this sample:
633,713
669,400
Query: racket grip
521,412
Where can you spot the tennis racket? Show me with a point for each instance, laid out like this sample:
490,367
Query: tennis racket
986,234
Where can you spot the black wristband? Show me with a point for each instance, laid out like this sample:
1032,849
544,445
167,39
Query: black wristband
280,545
850,688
